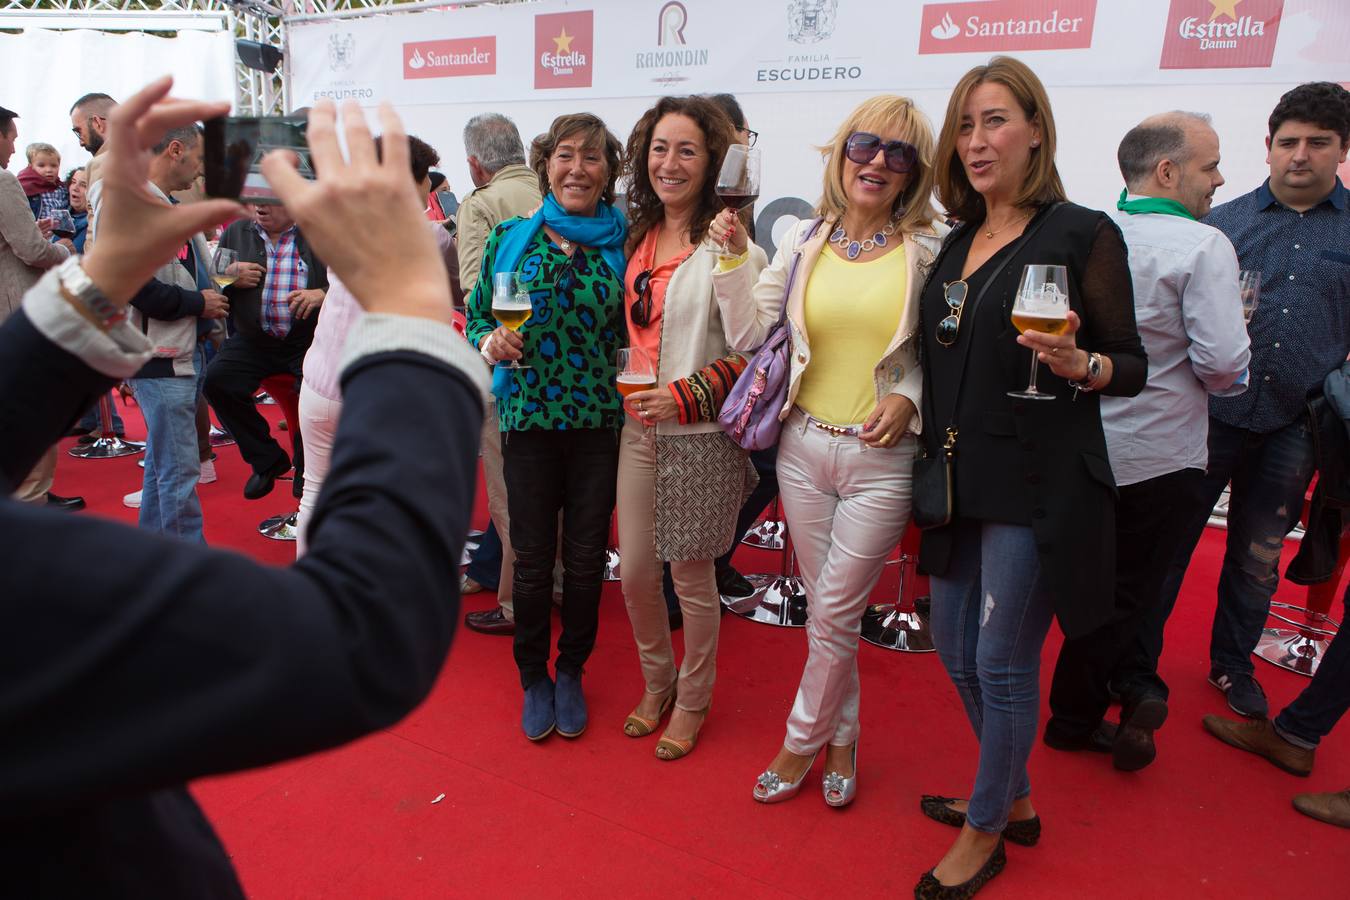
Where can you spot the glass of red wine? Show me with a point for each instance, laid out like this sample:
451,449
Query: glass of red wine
738,181
63,224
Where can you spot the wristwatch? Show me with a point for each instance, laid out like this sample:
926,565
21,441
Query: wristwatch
1093,373
80,291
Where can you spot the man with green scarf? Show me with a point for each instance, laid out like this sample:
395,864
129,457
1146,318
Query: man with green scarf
1189,314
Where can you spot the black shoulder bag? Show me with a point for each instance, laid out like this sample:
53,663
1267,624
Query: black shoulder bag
934,479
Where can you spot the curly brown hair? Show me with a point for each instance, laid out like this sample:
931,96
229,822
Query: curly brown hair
645,209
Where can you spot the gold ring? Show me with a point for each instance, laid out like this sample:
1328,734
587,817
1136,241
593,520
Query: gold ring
638,404
885,440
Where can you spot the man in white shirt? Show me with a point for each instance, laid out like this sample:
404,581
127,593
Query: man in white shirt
1189,314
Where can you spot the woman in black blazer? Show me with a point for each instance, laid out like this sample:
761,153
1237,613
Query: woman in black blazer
1032,531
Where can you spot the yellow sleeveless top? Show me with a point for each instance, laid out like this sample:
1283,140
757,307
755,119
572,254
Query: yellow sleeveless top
852,310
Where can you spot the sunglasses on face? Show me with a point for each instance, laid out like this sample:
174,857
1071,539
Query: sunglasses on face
955,294
641,310
862,147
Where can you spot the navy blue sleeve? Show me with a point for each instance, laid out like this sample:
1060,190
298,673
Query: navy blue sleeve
209,661
166,301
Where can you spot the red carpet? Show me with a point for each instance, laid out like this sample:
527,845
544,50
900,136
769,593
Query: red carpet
600,816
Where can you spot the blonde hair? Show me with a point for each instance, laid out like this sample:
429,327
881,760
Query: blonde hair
32,151
886,113
1042,184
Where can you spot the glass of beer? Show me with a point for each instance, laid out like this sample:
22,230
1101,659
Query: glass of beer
222,272
511,306
1249,289
635,373
1042,305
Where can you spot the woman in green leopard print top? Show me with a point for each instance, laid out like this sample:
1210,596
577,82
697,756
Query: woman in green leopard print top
560,417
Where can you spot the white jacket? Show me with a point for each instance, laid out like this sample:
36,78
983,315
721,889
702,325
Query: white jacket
699,326
897,372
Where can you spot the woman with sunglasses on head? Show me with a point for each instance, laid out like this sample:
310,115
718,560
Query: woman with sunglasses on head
1031,527
681,479
559,413
851,412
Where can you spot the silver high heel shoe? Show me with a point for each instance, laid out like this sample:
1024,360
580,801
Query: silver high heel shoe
845,788
771,788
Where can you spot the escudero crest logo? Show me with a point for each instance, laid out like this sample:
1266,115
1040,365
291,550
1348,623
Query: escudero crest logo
1221,34
564,46
341,51
811,21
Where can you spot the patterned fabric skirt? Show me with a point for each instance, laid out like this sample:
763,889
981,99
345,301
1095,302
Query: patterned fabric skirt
701,482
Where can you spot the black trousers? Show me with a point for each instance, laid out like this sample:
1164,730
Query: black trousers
547,472
231,381
1150,517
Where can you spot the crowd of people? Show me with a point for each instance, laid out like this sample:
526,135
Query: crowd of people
1078,499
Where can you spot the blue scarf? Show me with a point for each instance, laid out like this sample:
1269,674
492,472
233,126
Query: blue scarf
606,231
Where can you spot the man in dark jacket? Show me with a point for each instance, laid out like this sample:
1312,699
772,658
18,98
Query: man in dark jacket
210,662
274,305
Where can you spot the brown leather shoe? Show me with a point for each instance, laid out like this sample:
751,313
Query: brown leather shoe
1259,736
490,621
1332,808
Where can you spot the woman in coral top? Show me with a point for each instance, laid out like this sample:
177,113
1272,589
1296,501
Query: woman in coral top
681,480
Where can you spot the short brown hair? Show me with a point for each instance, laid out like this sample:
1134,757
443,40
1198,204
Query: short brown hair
422,157
885,112
594,134
1042,184
644,207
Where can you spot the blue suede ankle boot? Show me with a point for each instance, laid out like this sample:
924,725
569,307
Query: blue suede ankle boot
571,705
538,719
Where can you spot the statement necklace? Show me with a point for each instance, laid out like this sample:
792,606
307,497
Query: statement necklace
855,248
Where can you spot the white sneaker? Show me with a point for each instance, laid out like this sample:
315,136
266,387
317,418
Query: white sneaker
208,473
132,501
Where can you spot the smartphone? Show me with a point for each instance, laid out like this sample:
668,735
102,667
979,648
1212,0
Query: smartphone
235,147
447,202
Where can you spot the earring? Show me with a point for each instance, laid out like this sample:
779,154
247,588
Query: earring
1035,144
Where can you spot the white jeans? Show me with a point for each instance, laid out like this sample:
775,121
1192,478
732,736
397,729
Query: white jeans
318,426
846,505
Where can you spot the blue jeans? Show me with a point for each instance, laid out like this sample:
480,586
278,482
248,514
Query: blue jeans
990,616
89,421
486,565
1270,474
169,503
1317,709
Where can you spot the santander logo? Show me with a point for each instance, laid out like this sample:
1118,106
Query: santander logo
946,29
450,58
1216,34
1002,25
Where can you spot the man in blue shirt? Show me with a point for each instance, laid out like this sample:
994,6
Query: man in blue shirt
1295,230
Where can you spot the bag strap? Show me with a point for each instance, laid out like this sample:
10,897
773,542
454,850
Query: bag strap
796,260
974,306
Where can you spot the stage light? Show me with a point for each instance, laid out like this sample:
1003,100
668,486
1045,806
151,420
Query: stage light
256,55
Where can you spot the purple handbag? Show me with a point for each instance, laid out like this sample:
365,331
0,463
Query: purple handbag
750,414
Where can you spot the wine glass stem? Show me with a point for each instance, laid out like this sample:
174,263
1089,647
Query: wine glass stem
1035,362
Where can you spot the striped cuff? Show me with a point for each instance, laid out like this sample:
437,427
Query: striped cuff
700,396
385,333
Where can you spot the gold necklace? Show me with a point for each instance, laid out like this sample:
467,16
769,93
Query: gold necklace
990,233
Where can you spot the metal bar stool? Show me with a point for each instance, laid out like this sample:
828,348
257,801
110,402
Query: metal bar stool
1301,649
282,388
903,624
778,599
109,446
767,533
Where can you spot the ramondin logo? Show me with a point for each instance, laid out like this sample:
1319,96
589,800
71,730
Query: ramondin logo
670,22
811,21
341,51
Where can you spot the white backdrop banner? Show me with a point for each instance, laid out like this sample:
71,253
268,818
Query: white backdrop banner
43,72
798,66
